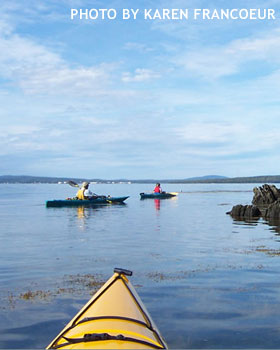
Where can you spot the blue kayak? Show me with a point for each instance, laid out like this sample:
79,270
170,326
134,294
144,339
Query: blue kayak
162,195
101,200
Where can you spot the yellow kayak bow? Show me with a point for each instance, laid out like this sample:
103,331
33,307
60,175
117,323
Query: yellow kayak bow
114,318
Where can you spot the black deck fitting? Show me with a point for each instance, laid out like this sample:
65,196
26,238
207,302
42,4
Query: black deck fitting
123,271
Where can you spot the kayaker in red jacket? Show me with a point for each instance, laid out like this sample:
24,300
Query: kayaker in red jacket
157,189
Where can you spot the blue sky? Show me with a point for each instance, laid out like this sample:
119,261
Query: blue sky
138,98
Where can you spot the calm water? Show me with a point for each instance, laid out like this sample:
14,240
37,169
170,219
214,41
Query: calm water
208,281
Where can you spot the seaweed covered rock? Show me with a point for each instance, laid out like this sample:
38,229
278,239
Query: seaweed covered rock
266,194
273,210
245,211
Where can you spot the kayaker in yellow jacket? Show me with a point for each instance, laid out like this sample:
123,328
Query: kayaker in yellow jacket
84,192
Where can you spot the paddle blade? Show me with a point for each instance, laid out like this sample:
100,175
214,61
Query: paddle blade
72,183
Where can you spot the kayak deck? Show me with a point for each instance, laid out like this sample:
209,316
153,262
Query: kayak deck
162,195
114,318
87,202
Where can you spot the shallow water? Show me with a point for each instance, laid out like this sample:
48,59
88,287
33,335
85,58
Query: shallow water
207,280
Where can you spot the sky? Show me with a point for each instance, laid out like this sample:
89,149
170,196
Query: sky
138,98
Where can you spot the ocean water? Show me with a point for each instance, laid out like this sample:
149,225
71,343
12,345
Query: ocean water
207,280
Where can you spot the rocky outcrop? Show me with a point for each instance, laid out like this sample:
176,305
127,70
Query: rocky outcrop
265,203
272,211
245,211
266,194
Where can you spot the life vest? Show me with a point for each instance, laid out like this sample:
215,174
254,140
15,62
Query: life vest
80,194
157,189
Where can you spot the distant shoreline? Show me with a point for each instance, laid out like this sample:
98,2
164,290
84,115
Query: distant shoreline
18,179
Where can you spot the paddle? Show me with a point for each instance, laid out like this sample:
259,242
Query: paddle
72,183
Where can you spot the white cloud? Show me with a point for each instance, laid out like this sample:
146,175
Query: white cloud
224,60
19,130
210,132
5,27
140,75
139,47
64,80
215,140
37,69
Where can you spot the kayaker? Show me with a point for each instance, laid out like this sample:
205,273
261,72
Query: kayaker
157,189
84,192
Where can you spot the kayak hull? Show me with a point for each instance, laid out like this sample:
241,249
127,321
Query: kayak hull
87,203
163,195
114,318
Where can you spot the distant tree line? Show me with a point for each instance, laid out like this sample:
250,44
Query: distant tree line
44,179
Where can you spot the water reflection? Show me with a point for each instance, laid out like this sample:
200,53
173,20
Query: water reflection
157,204
274,224
247,222
81,213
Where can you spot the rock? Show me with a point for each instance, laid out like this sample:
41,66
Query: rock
272,211
266,204
245,211
266,194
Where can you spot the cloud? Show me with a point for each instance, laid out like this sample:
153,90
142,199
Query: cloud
64,80
227,140
225,60
210,132
19,12
140,75
139,47
37,69
5,27
19,130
